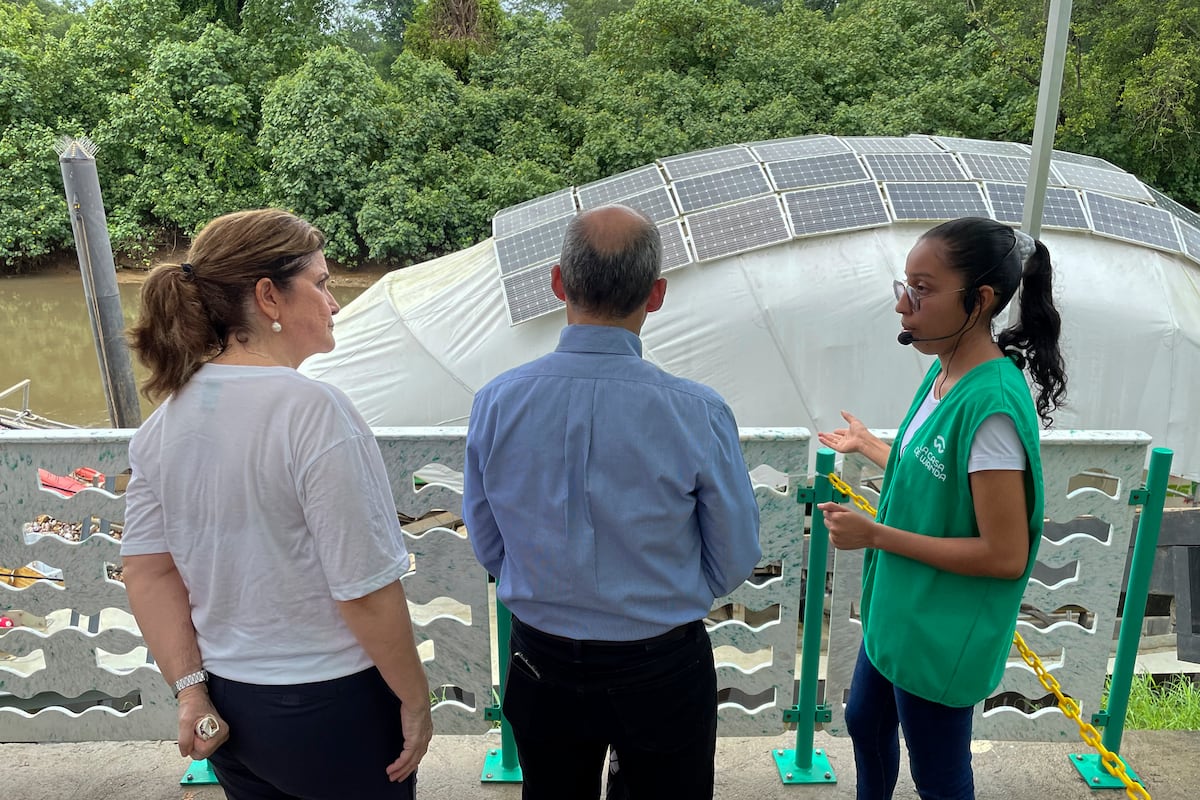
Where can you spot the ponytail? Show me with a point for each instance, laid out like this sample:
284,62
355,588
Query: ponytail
1033,341
173,336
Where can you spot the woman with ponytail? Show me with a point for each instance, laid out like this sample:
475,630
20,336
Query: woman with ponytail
262,552
951,549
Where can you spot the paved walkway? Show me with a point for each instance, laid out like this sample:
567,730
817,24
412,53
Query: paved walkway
1168,762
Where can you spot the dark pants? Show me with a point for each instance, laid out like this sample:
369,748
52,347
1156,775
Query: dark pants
325,741
938,739
654,701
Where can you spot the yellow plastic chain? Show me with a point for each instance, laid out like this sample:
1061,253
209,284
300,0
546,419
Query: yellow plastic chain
1067,705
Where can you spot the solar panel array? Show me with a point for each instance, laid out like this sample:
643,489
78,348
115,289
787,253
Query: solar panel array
1191,241
1133,222
836,208
1062,208
728,200
927,202
719,188
914,167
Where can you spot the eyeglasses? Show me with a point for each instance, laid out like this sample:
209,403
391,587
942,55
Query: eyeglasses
902,289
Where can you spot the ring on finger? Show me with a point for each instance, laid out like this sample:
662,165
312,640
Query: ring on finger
207,727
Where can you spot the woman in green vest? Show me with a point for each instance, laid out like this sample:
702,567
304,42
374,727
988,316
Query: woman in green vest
960,516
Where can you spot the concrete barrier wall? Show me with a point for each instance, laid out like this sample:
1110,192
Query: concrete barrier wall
77,669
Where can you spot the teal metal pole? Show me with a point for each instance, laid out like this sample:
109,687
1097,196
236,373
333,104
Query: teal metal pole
806,765
508,745
502,767
1136,592
814,611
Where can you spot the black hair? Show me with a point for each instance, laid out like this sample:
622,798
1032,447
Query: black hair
610,278
988,253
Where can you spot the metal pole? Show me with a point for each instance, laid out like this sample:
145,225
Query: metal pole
502,767
1136,591
78,164
806,765
1046,122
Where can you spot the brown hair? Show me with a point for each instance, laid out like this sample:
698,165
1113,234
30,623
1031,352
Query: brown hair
189,310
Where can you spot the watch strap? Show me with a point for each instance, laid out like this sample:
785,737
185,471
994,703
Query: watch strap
191,679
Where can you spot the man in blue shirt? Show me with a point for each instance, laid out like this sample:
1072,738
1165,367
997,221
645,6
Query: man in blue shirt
612,503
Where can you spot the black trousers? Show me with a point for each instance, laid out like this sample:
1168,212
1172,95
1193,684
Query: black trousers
654,701
328,740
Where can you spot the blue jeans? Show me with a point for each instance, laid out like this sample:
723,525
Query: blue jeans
938,738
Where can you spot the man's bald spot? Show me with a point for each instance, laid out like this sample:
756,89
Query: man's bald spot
611,229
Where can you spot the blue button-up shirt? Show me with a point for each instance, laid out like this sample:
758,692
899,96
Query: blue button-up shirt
608,497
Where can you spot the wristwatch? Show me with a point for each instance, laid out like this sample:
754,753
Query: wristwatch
191,679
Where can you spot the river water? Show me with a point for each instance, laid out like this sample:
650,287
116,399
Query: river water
46,336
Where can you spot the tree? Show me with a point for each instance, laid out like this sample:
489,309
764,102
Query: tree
186,130
454,30
324,128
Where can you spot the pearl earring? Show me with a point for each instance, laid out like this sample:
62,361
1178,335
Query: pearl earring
275,326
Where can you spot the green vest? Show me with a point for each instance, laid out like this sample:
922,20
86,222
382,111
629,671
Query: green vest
937,635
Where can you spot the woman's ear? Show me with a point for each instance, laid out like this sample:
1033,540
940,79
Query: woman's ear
267,298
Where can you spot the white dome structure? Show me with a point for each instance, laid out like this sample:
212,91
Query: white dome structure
779,258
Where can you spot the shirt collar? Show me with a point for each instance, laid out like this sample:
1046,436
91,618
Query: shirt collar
599,339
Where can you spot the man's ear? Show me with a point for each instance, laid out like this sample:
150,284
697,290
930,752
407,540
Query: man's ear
556,284
657,293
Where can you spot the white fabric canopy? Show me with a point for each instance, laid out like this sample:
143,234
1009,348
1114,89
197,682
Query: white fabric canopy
789,335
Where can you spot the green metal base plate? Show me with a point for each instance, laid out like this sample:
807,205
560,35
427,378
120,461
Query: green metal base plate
494,770
789,773
1092,770
200,773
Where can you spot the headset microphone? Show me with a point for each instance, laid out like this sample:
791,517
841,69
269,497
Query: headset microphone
906,337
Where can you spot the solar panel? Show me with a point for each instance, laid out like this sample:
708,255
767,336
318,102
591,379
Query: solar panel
781,149
528,294
798,173
1191,240
525,215
675,253
1134,222
532,246
738,228
890,144
935,201
959,145
1121,184
984,167
913,166
1080,158
1062,207
1180,211
656,203
706,161
617,187
718,188
835,208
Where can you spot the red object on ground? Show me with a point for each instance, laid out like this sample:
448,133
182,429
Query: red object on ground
5,622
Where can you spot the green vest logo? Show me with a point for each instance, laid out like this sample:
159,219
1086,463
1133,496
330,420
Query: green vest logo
930,461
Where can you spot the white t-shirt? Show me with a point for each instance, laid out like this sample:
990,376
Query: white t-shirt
268,490
996,444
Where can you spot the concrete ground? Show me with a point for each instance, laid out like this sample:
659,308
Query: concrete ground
1167,761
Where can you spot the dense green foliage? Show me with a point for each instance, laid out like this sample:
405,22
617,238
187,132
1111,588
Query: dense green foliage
400,126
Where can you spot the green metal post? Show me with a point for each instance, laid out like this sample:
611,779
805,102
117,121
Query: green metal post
199,773
1136,590
804,764
502,767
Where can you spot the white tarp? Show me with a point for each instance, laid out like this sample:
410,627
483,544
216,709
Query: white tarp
789,335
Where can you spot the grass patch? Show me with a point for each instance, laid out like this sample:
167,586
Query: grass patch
1173,704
